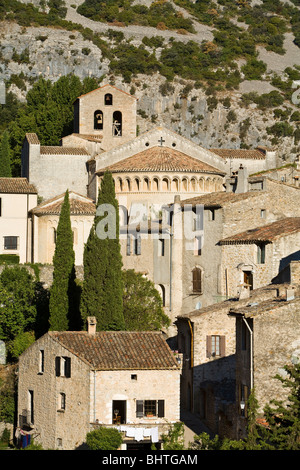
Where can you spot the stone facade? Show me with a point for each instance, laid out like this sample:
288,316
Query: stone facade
72,382
268,339
213,365
17,198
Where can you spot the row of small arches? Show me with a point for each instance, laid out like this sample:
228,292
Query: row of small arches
182,184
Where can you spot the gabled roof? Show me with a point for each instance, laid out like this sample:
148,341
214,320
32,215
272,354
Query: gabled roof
16,186
254,154
79,205
105,86
161,159
220,198
59,150
266,233
119,350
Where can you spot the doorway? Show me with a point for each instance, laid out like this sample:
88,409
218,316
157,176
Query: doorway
248,278
119,411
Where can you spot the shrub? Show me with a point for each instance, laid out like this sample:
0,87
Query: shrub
104,439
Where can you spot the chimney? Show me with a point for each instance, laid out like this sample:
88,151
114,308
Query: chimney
242,180
92,322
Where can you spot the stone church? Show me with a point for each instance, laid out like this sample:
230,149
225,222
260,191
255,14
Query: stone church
150,168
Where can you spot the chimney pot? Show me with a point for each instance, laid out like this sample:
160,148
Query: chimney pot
92,323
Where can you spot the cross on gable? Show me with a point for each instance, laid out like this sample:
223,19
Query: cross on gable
161,141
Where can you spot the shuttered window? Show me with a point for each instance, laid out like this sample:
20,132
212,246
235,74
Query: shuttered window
215,346
63,366
150,408
197,280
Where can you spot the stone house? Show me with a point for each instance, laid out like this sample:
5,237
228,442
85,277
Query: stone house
17,198
267,339
207,341
73,382
221,365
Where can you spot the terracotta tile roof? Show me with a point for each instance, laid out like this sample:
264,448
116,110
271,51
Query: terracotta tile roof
254,154
219,198
59,150
161,159
255,309
91,137
32,138
16,186
119,350
266,233
78,206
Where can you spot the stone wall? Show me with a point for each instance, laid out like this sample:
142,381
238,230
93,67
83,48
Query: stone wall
50,422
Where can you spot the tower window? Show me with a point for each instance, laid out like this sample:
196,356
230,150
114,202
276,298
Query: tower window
98,120
117,124
108,99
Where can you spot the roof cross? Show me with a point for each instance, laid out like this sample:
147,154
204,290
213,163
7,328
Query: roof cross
161,141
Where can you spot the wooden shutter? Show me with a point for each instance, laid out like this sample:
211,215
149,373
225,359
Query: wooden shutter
197,280
208,346
128,245
138,244
139,408
222,346
161,408
57,366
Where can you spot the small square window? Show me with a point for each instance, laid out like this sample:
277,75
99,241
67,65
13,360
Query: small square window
133,377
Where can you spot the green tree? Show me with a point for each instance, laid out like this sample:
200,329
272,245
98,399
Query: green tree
142,304
102,290
174,439
104,439
63,274
5,169
17,302
283,416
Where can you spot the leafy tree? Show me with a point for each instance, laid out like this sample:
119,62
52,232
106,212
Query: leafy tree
283,417
174,439
104,439
142,304
63,274
5,170
17,305
102,290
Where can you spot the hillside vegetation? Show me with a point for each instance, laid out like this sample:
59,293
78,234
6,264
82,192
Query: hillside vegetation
161,45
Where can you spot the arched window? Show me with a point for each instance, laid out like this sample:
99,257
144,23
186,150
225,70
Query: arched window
136,184
163,294
146,184
175,184
165,184
155,184
117,124
98,120
108,99
197,280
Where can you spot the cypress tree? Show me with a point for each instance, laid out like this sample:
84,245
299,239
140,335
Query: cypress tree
63,273
102,291
5,169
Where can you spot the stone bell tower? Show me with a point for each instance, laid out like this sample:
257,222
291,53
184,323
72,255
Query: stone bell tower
106,112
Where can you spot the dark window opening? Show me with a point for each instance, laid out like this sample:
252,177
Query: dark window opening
98,120
119,411
108,99
197,280
10,243
117,124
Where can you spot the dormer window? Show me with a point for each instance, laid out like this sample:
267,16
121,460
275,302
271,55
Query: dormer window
98,120
108,99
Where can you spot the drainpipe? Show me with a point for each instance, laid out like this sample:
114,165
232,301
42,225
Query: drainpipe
171,246
251,351
192,364
94,396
